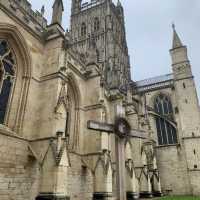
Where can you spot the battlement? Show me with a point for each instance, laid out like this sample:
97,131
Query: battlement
35,16
22,10
91,4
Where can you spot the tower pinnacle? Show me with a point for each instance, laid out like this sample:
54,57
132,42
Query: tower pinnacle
42,10
58,9
176,39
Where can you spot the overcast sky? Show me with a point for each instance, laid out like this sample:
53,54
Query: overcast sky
149,33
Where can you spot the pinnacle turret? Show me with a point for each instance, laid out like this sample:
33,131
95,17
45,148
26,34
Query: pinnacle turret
58,9
176,39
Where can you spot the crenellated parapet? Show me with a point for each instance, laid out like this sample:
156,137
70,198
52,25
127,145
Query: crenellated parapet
22,10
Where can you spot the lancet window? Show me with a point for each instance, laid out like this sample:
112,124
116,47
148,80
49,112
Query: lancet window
83,29
7,77
96,24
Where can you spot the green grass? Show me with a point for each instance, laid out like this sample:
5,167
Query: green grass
180,198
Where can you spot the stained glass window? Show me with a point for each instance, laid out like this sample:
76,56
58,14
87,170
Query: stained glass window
164,121
7,77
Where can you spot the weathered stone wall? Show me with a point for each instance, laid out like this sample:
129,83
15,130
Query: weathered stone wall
173,170
80,180
19,173
194,179
192,150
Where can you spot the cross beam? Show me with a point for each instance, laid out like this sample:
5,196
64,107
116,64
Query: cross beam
105,127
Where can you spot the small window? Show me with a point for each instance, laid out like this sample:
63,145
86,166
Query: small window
96,24
83,29
193,135
176,110
186,101
184,86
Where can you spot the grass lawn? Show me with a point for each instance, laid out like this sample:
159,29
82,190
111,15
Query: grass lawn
180,198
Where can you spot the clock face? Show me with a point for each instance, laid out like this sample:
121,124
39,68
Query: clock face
122,127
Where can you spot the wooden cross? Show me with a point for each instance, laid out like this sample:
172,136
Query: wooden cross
120,134
109,128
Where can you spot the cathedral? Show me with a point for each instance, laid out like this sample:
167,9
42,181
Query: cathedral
75,126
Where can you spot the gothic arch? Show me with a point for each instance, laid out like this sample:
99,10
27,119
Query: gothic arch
152,99
15,114
74,84
103,174
75,96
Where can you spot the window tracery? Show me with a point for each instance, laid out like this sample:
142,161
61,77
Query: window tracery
7,77
165,130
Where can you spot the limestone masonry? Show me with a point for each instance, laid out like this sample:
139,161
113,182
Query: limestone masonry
74,125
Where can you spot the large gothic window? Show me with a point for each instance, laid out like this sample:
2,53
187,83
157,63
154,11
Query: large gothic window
165,121
83,29
96,24
7,77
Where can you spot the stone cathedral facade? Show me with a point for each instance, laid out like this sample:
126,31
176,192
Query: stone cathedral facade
74,125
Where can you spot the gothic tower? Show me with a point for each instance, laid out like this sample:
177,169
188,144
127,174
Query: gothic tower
185,88
188,109
102,22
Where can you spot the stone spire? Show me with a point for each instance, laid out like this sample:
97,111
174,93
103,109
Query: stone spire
58,9
180,61
176,39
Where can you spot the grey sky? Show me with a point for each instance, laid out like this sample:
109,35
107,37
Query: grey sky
149,33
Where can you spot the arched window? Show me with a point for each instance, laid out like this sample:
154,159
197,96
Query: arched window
83,29
7,77
164,120
96,24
